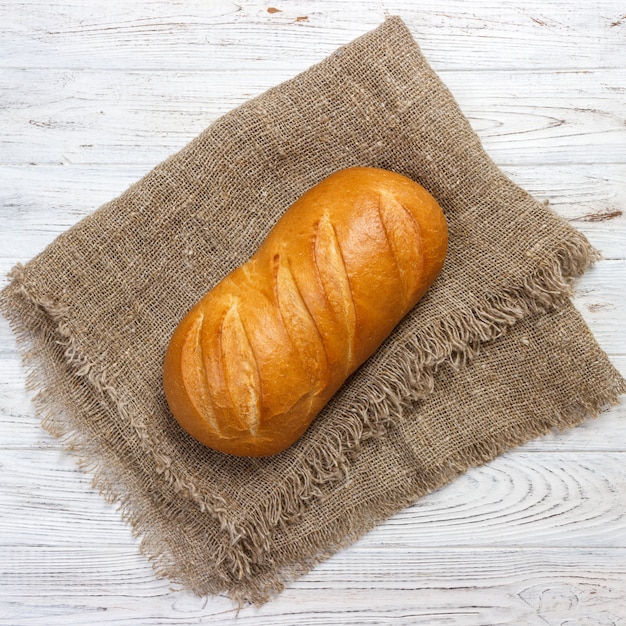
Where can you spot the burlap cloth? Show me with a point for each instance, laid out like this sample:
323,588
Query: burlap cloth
493,356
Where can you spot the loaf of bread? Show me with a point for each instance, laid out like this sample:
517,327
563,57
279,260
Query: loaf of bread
257,358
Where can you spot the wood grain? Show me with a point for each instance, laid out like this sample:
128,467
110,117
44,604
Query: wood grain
522,499
418,587
103,116
93,95
233,35
19,428
500,551
64,193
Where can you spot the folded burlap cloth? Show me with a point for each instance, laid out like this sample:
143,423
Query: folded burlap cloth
494,355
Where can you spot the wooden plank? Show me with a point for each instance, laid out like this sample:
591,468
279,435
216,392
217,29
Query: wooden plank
553,499
362,585
220,34
38,202
587,194
103,116
19,426
591,197
601,297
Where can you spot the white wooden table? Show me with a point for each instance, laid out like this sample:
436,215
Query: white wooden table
94,93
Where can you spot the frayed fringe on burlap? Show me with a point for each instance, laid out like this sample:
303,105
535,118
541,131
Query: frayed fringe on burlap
101,383
265,577
408,375
44,378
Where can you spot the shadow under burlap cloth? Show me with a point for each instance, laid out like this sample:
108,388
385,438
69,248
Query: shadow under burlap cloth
493,355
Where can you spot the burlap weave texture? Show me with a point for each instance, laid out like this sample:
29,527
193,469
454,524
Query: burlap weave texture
494,354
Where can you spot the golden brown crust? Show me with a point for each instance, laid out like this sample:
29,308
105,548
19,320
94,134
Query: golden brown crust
255,360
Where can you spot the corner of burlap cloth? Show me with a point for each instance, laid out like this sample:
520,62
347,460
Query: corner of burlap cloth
94,312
